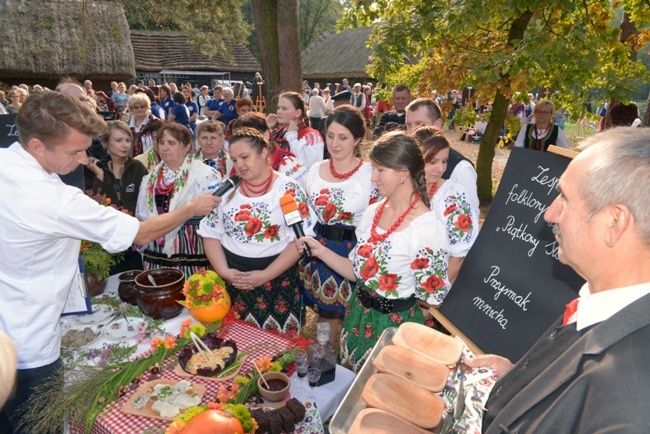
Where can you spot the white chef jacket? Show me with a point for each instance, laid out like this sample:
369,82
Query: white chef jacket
42,223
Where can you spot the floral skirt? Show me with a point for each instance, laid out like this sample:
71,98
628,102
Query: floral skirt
323,287
362,327
274,305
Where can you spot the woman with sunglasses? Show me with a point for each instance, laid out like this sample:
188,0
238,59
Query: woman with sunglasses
140,122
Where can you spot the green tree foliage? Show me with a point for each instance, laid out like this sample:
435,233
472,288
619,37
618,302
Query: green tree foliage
319,16
500,47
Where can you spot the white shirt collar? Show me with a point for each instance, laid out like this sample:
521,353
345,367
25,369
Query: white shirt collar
600,306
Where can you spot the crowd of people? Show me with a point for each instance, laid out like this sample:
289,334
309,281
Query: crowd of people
389,216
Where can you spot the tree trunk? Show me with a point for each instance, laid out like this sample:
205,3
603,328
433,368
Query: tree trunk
265,18
646,116
289,39
497,117
276,24
488,143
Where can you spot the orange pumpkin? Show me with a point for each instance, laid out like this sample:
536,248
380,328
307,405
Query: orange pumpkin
213,313
213,422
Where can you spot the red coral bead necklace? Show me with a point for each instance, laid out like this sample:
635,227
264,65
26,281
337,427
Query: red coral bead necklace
432,190
335,174
251,189
374,236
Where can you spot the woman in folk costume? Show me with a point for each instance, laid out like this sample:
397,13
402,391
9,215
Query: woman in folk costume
249,243
401,253
293,132
541,132
176,180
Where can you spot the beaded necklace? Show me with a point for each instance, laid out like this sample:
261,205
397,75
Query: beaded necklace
251,189
335,174
432,190
165,183
374,236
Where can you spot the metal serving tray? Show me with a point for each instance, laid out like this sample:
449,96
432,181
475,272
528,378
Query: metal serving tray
352,403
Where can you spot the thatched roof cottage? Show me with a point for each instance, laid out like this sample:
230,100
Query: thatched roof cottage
41,41
171,52
335,56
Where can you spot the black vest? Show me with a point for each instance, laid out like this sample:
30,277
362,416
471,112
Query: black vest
455,157
543,144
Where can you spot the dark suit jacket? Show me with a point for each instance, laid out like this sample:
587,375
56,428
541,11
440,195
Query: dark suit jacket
601,384
390,116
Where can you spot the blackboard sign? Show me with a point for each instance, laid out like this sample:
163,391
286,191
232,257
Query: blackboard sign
8,131
9,135
512,287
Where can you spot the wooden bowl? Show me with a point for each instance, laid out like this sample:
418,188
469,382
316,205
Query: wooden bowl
273,378
429,343
403,399
373,421
412,366
160,300
127,290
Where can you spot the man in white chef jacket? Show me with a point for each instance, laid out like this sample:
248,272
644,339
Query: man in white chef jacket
42,223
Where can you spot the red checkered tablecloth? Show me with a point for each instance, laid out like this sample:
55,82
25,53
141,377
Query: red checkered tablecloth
114,421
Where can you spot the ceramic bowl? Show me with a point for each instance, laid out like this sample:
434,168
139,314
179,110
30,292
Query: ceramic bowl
127,290
274,378
213,342
160,300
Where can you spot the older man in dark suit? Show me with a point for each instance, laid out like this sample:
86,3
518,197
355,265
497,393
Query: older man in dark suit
589,372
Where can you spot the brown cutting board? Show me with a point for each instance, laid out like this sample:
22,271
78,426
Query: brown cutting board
373,421
429,342
412,366
403,399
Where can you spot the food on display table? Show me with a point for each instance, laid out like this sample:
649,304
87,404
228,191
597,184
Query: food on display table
224,354
164,399
214,360
79,337
279,420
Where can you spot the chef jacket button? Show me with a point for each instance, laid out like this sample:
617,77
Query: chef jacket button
499,390
553,334
526,363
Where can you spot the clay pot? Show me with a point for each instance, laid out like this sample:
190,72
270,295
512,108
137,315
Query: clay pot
273,395
96,286
160,300
127,290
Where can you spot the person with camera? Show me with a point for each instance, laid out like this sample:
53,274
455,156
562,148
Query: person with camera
118,176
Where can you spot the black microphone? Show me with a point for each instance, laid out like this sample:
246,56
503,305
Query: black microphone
226,185
293,218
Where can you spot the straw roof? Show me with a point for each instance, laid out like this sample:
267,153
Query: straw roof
336,55
155,51
48,39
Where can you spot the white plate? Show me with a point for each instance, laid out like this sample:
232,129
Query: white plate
118,329
65,325
96,333
100,313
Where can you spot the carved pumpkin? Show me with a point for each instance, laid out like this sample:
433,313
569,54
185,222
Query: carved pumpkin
213,422
211,314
